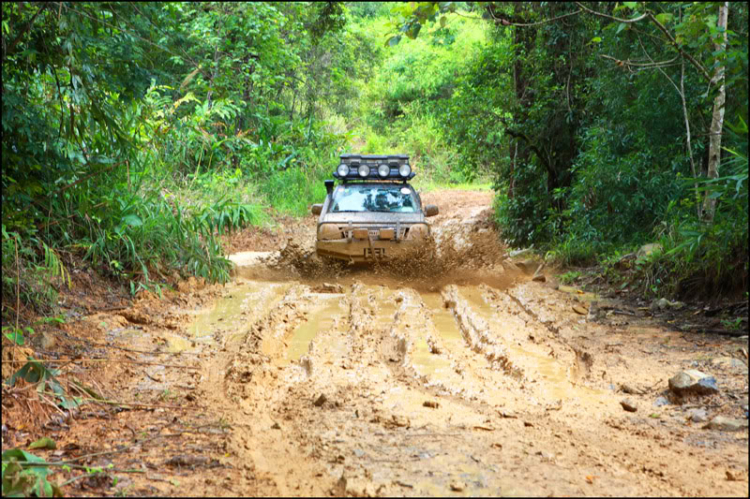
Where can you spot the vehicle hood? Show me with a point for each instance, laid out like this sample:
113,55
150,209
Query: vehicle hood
372,218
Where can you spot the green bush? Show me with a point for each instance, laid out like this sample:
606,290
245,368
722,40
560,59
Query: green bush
709,257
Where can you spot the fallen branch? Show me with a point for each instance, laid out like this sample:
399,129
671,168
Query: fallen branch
722,332
113,361
127,405
505,22
613,18
107,453
72,466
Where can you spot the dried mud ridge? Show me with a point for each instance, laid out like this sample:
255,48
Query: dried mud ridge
449,374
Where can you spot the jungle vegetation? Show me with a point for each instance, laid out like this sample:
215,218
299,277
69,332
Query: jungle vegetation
134,134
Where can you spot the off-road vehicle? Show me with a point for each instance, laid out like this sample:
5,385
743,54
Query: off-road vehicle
373,213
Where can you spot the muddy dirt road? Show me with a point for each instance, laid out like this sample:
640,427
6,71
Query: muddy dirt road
371,385
476,381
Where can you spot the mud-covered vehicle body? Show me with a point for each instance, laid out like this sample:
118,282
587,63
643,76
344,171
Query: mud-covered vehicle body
374,212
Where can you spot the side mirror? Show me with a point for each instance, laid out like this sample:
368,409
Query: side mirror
431,210
317,209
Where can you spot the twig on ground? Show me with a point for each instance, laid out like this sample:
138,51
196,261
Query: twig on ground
112,361
74,466
124,404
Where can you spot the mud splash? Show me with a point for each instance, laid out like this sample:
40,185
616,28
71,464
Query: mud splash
458,254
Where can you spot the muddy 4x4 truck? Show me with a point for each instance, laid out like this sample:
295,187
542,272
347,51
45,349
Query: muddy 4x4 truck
374,213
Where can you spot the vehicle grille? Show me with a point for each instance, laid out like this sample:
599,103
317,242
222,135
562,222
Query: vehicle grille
374,232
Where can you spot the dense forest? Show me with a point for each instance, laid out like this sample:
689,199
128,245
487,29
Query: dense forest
571,321
134,134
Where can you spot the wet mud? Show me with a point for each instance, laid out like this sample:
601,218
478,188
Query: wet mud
444,372
448,372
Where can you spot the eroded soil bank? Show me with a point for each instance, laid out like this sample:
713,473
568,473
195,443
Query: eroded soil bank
456,374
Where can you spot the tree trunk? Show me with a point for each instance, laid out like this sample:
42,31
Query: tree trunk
717,119
513,169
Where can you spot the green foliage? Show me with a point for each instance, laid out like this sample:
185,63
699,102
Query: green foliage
703,257
15,334
135,134
46,383
582,121
403,105
32,271
569,277
25,474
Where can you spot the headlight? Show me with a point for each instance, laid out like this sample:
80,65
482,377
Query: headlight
404,170
326,232
384,170
342,170
364,171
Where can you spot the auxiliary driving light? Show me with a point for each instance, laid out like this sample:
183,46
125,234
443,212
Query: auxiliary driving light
404,170
360,234
342,170
384,170
364,171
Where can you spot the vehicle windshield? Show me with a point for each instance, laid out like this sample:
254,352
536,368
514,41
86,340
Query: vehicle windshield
380,198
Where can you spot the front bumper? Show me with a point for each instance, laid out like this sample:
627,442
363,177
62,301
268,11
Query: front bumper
363,250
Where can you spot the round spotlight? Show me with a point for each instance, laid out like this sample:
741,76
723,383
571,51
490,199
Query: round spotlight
364,171
404,170
342,170
384,170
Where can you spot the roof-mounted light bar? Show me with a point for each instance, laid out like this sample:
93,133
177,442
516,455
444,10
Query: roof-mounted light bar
374,167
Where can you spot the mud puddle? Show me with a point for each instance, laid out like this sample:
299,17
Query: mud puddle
235,312
323,319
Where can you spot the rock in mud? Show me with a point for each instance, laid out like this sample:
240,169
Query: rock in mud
722,423
320,400
631,390
693,382
697,415
398,421
539,278
458,486
628,405
661,401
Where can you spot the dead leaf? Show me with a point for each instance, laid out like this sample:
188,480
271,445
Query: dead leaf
579,310
43,443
